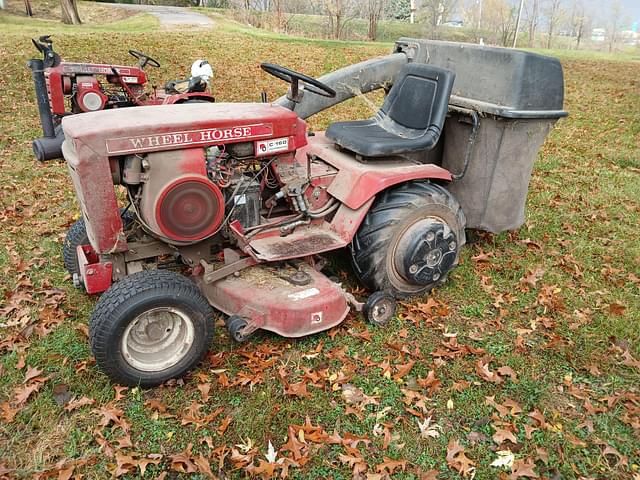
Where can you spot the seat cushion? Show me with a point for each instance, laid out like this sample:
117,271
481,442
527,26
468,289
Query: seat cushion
410,120
369,139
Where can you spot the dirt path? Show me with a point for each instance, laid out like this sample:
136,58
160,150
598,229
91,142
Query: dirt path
170,17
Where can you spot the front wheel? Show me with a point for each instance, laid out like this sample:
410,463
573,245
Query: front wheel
409,240
150,327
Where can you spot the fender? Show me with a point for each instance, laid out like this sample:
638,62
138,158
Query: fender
355,182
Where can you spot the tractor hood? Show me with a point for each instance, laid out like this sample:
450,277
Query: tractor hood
170,127
94,140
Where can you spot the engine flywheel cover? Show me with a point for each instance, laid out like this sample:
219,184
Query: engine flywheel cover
190,209
426,251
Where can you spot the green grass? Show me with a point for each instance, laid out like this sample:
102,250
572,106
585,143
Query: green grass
14,25
582,217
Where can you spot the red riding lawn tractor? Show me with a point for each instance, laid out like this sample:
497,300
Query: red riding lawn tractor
231,205
64,88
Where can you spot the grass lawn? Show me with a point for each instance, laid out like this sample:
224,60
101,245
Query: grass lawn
532,348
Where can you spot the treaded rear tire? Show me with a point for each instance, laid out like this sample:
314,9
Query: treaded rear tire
131,297
76,235
390,214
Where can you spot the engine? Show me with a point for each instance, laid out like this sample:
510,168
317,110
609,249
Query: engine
184,196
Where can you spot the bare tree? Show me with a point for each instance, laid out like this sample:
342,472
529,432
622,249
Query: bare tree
27,8
614,23
578,21
339,14
70,13
553,17
532,14
373,11
499,16
438,11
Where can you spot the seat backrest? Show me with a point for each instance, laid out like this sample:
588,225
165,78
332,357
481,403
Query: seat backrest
419,97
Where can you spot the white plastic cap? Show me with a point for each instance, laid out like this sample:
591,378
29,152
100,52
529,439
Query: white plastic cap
201,68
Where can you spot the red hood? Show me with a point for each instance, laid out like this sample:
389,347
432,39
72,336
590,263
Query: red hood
168,127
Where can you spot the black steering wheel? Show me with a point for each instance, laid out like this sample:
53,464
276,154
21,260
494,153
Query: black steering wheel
144,59
290,76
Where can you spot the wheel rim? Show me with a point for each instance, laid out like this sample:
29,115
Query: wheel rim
423,253
157,339
381,311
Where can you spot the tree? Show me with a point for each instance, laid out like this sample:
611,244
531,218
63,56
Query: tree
500,16
614,23
373,11
532,15
339,13
27,8
438,11
553,16
70,13
578,21
399,9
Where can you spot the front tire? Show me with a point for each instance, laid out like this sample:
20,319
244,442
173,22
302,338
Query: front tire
409,240
150,327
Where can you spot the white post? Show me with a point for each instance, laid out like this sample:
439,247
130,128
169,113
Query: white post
515,37
413,11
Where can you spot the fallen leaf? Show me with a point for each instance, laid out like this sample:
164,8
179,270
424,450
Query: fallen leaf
502,434
617,308
81,402
506,371
204,389
298,389
403,370
457,459
523,468
31,374
61,394
224,424
505,458
390,466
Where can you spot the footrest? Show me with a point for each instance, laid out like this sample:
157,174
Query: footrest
305,240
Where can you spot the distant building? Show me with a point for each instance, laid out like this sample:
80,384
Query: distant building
598,35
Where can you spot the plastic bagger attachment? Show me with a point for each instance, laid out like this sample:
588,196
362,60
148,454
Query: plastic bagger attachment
518,97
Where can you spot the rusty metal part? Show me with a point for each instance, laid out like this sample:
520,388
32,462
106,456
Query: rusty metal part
212,275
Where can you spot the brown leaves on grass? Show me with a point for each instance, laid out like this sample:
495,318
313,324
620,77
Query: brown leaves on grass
508,406
458,460
531,278
32,383
484,371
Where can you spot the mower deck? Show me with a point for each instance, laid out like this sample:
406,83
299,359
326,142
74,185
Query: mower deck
291,300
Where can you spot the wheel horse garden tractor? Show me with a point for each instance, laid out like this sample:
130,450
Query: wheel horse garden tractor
64,88
231,205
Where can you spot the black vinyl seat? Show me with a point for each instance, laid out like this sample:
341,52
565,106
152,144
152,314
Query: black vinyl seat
410,120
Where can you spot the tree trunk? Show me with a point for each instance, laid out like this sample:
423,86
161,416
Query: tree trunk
533,24
27,8
372,33
579,33
70,14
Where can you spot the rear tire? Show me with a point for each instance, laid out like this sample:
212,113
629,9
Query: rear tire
150,327
77,235
409,240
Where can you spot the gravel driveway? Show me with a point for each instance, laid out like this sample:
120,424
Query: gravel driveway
170,17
